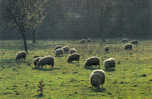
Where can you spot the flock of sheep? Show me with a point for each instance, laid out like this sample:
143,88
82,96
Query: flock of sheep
97,77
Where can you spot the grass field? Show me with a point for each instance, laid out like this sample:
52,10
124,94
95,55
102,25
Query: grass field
132,78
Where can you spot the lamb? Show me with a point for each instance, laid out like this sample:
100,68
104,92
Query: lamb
66,49
73,57
92,61
47,60
97,78
109,64
135,42
20,55
59,52
73,50
128,47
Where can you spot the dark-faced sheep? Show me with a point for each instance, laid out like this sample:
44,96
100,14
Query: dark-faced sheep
73,57
92,61
97,78
135,42
20,56
128,47
35,61
59,52
72,50
109,64
66,49
47,60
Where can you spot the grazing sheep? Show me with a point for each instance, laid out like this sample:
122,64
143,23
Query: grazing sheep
66,49
20,55
124,41
47,60
59,52
57,47
106,49
109,64
92,61
97,78
73,50
73,57
128,47
35,61
135,42
82,41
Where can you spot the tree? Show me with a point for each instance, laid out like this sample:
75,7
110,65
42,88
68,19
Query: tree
22,14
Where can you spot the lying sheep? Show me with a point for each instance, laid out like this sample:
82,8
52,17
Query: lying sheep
92,61
47,60
97,78
57,47
124,41
66,49
20,55
73,57
128,47
135,42
72,50
109,64
59,52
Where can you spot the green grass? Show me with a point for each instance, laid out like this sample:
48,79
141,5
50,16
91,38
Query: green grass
71,81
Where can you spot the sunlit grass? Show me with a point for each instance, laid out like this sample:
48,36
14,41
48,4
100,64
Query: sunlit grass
132,78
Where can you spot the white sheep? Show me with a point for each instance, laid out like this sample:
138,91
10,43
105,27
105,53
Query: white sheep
109,63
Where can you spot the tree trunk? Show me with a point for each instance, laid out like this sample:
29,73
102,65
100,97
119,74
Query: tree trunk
25,42
33,37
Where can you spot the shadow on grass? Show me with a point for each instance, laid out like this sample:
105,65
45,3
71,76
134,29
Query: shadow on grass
46,69
75,63
99,89
110,70
92,68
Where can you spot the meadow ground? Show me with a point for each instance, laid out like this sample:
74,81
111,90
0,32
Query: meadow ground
132,78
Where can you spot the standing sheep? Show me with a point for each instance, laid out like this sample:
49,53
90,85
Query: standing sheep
47,60
92,61
135,42
128,47
97,78
59,52
20,55
109,64
35,61
66,49
72,50
73,57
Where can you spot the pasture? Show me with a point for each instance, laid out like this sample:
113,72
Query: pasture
132,78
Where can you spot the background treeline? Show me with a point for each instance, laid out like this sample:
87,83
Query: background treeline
75,19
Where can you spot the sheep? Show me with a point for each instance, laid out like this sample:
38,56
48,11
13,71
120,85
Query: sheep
35,56
20,55
35,61
92,61
57,47
82,41
47,60
128,47
66,49
73,57
135,42
109,63
124,41
59,52
97,78
73,50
